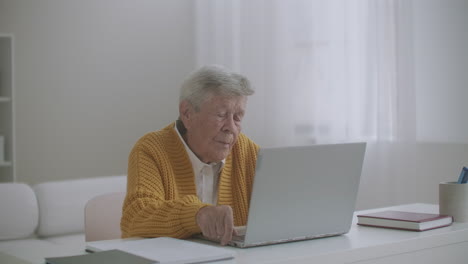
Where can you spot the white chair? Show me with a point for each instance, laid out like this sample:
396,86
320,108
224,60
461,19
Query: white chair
102,217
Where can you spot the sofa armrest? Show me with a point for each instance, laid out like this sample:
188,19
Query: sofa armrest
19,211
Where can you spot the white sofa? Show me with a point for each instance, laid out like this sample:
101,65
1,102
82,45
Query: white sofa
47,220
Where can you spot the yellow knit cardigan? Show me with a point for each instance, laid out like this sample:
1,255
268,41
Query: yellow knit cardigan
161,195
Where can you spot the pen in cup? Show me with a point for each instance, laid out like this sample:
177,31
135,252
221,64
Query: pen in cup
463,178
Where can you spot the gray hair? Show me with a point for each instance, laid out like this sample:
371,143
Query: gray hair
216,80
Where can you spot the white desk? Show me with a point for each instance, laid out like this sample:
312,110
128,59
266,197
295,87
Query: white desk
370,245
363,245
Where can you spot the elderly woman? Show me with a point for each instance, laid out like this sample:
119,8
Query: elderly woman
195,175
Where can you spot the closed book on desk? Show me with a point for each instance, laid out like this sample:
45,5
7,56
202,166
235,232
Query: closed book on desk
165,249
405,220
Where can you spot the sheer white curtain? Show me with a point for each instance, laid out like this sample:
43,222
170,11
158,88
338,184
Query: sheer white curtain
324,71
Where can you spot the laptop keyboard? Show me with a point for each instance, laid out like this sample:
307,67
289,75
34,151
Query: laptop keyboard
240,234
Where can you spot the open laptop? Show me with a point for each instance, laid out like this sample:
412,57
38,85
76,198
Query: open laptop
302,193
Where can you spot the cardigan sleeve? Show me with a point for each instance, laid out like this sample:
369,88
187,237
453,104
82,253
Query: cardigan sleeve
151,207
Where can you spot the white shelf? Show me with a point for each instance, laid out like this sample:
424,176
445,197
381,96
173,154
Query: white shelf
7,109
4,99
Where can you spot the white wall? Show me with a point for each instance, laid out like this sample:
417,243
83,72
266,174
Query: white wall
92,76
441,69
401,173
411,172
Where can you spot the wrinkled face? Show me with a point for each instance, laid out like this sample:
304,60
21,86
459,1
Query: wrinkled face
213,130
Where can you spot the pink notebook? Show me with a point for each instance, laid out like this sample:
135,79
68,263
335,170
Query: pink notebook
405,220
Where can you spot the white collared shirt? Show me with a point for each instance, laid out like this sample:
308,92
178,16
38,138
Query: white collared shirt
206,175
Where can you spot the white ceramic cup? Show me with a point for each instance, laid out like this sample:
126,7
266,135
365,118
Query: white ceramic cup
453,200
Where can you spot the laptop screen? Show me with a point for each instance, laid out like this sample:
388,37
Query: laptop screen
304,192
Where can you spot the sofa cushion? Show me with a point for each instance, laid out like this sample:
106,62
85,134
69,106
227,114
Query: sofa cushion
62,203
19,211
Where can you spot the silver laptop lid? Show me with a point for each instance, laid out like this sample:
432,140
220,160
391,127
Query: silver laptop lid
303,192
